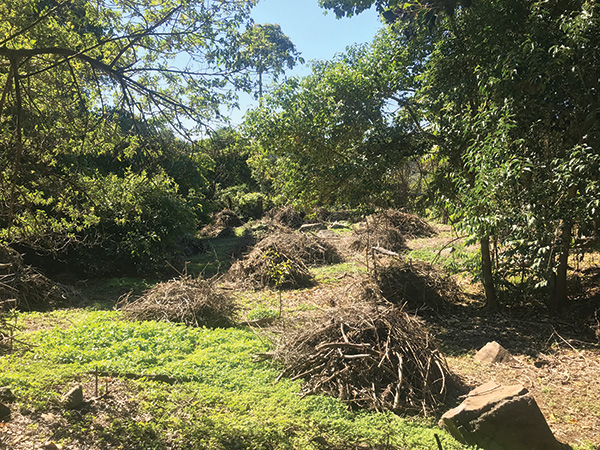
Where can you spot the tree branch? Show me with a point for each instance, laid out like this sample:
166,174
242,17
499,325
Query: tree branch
30,26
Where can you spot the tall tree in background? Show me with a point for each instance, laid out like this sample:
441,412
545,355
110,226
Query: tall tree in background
267,50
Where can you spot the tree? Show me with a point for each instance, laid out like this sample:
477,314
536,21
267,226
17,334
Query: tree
332,138
510,88
92,90
510,91
266,49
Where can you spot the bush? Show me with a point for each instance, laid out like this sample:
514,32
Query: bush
141,221
245,203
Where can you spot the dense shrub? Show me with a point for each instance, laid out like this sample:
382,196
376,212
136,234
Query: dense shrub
140,221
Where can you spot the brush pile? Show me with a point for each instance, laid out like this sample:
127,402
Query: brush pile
410,225
29,289
389,230
281,260
416,284
192,301
374,357
286,216
223,222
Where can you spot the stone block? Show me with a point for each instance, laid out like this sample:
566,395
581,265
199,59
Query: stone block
497,417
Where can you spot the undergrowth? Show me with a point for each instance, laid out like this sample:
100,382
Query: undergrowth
217,397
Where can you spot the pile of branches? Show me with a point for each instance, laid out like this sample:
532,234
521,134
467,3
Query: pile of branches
192,301
28,289
374,357
416,284
223,223
374,235
389,230
410,225
286,216
281,260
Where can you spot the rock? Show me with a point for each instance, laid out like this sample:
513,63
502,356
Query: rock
6,395
73,398
497,417
312,227
4,412
492,352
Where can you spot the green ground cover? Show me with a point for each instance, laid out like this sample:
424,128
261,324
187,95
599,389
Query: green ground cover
217,398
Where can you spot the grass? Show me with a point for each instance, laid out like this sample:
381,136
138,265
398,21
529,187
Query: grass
332,273
217,259
462,259
222,400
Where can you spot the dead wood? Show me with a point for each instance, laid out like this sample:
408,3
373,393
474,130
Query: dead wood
389,230
30,290
374,357
416,284
281,260
286,216
192,301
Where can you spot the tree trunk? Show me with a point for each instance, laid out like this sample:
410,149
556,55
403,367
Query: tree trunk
491,300
260,88
559,291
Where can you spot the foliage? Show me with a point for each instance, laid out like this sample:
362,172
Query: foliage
247,203
331,139
519,132
231,184
266,49
223,399
502,91
140,220
90,101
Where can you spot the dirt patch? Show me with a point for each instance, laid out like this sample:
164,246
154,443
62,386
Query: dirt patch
369,356
81,428
192,301
564,383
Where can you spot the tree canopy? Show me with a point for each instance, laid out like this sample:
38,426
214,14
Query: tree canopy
93,92
501,95
267,50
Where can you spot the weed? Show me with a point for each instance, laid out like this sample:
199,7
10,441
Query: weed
222,399
262,313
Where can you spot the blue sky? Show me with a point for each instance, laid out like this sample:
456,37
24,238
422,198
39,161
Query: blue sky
316,34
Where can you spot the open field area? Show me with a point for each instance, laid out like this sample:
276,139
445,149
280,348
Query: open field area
159,385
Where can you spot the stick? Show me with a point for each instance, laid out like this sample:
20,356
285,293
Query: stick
437,440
